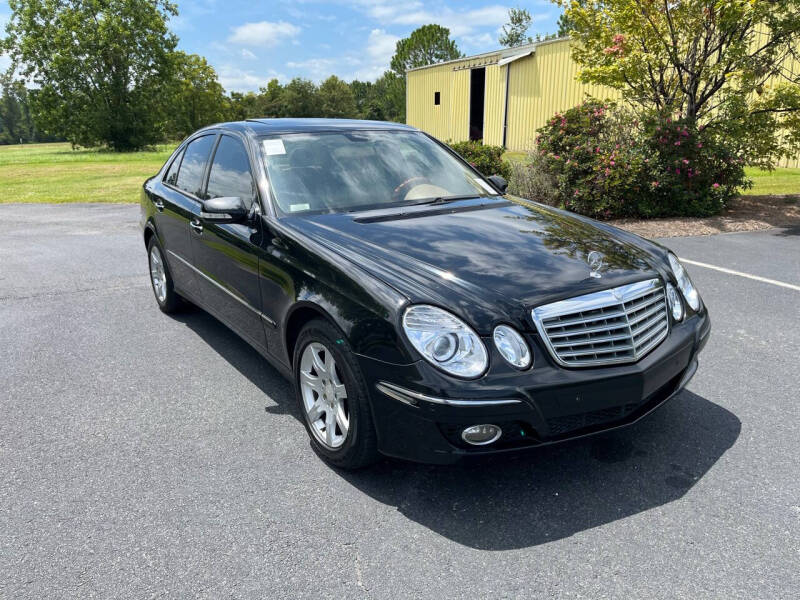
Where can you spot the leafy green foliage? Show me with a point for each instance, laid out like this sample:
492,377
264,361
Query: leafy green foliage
604,162
16,122
515,31
720,65
194,98
336,99
426,45
99,67
382,100
487,159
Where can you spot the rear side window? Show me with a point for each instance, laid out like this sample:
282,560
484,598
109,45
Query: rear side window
172,174
190,175
230,172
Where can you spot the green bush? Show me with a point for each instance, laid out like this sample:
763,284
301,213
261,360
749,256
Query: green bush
487,159
605,163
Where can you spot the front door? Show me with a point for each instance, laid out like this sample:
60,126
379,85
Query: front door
224,253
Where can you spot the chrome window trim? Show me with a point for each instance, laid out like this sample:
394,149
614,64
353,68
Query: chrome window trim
413,398
596,300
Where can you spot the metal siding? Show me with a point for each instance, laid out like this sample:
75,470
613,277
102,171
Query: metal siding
495,104
459,113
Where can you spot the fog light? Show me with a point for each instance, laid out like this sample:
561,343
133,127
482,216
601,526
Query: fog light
480,435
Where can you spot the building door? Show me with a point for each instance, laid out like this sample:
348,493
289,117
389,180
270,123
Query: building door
477,95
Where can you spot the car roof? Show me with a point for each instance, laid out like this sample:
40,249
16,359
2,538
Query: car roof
273,126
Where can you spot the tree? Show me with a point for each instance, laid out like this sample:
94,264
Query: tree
270,99
16,124
426,45
721,66
514,32
196,99
242,106
100,68
336,99
388,98
300,98
565,25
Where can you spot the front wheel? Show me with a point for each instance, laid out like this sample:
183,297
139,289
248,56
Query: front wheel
332,397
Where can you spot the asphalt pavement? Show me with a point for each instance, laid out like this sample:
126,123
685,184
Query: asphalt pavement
143,455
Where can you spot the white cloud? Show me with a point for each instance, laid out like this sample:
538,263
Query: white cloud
247,54
459,22
381,46
367,64
263,33
236,79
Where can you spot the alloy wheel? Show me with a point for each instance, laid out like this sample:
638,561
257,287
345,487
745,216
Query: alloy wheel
324,396
158,274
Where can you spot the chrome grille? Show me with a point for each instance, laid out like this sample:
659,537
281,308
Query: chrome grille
613,326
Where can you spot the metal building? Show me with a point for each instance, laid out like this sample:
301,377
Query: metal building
501,97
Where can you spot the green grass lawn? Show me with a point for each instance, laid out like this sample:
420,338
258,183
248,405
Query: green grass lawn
779,181
56,173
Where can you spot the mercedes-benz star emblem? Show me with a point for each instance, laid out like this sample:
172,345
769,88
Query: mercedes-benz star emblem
595,261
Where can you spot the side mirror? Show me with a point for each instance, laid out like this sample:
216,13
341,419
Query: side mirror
499,182
228,209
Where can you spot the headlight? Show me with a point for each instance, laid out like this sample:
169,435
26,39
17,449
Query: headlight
675,305
513,348
684,283
445,341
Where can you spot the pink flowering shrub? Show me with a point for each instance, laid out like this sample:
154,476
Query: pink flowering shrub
604,162
699,173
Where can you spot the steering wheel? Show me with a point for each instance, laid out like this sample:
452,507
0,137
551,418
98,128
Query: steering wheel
401,190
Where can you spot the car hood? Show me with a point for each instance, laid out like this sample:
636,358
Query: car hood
489,260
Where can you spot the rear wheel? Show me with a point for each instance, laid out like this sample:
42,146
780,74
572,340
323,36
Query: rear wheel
332,397
161,279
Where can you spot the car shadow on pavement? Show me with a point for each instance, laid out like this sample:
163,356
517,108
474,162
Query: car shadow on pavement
536,496
552,492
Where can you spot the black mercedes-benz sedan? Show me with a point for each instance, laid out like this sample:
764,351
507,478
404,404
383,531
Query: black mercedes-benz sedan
420,311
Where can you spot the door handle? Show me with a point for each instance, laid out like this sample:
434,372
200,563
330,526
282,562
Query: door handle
159,204
196,225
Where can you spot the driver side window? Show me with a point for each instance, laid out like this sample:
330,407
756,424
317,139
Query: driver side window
230,172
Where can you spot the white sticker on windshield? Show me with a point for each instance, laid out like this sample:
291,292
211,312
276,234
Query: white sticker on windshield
273,147
485,185
296,207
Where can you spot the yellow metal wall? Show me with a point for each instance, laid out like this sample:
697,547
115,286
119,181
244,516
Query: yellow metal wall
540,86
494,105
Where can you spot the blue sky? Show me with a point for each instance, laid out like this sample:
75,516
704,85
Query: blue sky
251,42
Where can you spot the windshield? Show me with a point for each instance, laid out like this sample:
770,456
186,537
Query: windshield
361,169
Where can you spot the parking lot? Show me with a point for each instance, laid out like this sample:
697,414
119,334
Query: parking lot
143,455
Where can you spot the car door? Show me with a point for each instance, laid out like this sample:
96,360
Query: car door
224,253
177,204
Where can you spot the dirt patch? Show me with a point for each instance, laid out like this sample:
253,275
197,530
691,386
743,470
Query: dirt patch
746,213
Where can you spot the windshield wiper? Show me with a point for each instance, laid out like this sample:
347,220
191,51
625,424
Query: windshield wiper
445,199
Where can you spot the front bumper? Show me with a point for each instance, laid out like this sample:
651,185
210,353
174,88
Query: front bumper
419,413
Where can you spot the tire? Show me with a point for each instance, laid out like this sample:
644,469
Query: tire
161,280
357,447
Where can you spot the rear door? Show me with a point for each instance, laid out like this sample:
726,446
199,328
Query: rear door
178,204
224,253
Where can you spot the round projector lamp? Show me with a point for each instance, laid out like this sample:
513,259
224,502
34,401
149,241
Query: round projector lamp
481,435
